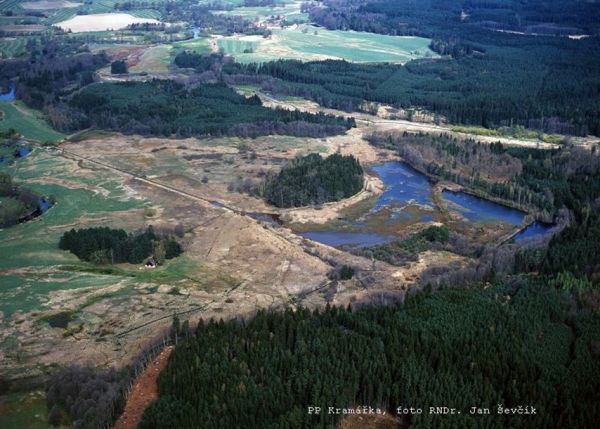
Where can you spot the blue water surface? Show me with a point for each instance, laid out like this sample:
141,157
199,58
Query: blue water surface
533,230
11,94
477,209
349,239
403,184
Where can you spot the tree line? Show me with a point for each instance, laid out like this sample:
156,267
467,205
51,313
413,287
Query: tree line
167,108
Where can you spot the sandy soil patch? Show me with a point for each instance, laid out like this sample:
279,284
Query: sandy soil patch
144,391
49,4
370,421
102,22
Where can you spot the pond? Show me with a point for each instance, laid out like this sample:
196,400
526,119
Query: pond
536,229
13,151
11,94
347,239
408,199
478,209
403,185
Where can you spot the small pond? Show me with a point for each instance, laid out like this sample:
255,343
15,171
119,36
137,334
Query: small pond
11,94
408,198
534,230
478,209
347,239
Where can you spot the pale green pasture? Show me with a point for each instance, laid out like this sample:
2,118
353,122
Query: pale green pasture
289,12
308,43
30,253
28,122
199,46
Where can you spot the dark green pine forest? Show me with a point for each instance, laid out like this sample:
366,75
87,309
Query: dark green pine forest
488,74
312,179
508,344
170,109
102,245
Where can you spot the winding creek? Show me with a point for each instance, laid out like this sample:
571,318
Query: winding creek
408,199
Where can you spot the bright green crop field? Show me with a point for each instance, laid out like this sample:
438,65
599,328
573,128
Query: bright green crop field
309,43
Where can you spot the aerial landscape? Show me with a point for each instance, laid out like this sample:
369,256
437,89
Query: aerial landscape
299,214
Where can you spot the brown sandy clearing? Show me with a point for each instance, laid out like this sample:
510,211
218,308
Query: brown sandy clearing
370,421
144,392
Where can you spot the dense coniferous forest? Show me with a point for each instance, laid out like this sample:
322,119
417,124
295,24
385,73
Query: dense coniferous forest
313,179
431,18
103,245
166,108
507,344
488,76
556,92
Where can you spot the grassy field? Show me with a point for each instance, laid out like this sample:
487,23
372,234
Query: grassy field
310,43
199,46
97,6
27,122
14,5
23,411
154,60
80,201
289,12
12,47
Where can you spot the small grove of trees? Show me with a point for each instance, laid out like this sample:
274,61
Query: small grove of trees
103,245
84,398
118,67
314,180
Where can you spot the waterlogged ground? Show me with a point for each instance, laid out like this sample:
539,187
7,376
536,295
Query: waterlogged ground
30,251
408,202
23,411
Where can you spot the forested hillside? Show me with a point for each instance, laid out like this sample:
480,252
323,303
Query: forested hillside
431,18
543,83
167,108
314,180
505,345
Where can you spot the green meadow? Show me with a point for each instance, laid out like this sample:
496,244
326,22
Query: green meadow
308,43
30,253
23,411
28,122
290,12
